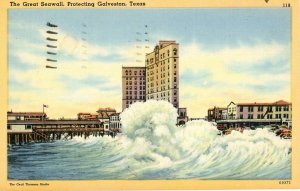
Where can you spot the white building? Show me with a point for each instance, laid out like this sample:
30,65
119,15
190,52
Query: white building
115,121
103,116
13,119
19,128
231,111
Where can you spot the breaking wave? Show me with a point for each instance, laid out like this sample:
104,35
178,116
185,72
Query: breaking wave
153,147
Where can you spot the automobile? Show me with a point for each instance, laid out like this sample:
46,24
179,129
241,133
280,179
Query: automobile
281,130
287,134
221,127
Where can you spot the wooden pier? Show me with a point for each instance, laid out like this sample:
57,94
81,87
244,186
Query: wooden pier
22,132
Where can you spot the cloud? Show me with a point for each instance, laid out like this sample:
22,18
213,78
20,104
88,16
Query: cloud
83,82
64,103
241,74
77,85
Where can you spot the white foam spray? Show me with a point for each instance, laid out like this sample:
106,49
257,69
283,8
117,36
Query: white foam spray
154,144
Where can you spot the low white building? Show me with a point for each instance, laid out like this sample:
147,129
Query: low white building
14,118
231,111
115,121
104,116
19,128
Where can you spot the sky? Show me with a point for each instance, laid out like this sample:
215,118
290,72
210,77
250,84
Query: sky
239,55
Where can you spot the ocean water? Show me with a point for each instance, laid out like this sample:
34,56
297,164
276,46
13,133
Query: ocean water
152,147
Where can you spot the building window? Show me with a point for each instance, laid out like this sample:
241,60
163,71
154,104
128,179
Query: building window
270,109
250,109
28,127
9,127
260,108
175,51
241,109
241,116
278,108
174,79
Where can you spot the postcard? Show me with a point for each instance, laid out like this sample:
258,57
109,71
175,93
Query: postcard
132,95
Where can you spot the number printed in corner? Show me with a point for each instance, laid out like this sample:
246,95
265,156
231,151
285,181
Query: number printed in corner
286,5
285,182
